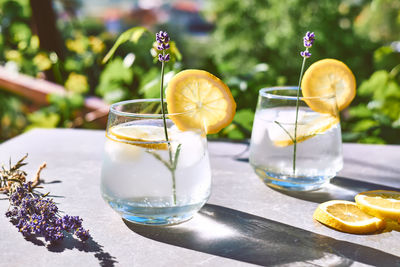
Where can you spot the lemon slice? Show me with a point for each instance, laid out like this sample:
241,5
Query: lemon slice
152,137
345,216
326,77
380,203
309,125
206,99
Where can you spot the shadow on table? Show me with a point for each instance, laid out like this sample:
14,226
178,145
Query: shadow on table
339,188
244,237
70,243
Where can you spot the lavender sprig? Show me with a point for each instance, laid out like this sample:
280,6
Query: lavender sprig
308,41
163,39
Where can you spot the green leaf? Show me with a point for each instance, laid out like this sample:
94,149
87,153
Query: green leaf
176,157
244,118
236,134
375,84
360,111
115,95
77,83
151,83
386,58
132,35
115,71
396,124
391,107
65,104
382,52
175,53
350,137
56,99
382,119
76,100
364,125
372,140
20,32
114,81
42,119
392,90
71,64
42,61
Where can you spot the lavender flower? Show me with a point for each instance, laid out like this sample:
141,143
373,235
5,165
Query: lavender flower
309,39
308,42
35,215
82,234
305,54
162,39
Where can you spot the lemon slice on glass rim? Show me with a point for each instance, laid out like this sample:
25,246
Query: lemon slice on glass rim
325,77
345,216
206,100
196,99
321,82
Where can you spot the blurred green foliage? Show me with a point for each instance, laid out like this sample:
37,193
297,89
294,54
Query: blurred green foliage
130,74
12,119
255,43
376,119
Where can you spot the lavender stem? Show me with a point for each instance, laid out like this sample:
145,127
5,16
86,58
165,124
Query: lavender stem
297,116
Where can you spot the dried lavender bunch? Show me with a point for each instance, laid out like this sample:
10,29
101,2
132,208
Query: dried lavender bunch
34,214
12,175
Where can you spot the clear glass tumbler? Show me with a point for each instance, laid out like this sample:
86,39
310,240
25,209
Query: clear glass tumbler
147,179
317,155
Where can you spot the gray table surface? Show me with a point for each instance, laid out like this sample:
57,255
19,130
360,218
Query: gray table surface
244,222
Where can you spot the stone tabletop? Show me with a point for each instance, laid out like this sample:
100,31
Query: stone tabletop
244,222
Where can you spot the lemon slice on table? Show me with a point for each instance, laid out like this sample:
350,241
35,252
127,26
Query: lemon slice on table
326,77
152,137
380,203
345,216
308,126
206,99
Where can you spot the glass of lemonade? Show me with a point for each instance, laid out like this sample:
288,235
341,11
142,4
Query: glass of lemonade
319,144
147,179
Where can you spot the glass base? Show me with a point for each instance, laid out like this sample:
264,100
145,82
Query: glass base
293,183
157,221
153,213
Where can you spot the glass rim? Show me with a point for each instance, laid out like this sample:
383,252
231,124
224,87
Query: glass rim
265,92
113,109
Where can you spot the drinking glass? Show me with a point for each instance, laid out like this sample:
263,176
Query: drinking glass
317,155
147,179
